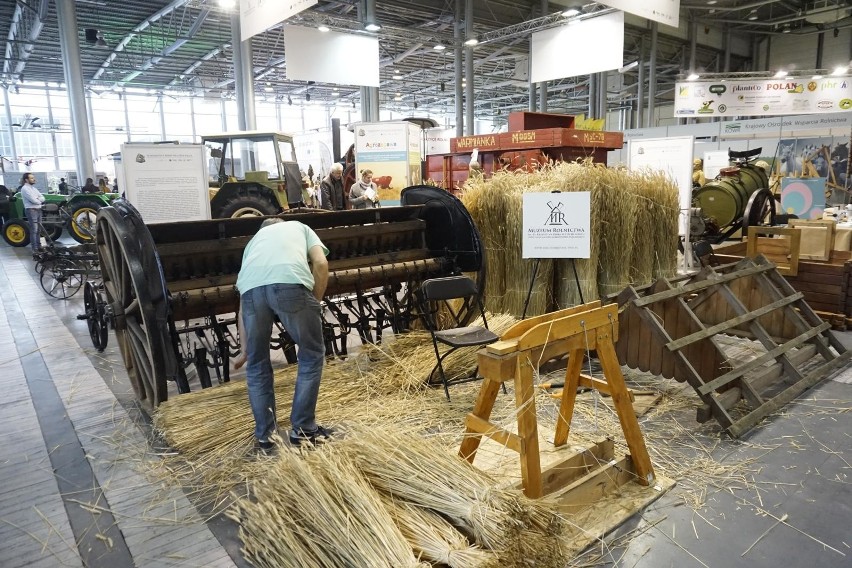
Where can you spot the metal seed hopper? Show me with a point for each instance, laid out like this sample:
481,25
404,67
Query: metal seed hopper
169,288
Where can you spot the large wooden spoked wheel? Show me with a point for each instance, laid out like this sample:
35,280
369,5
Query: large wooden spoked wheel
136,300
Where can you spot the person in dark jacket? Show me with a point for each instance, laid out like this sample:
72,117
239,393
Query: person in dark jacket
331,189
90,186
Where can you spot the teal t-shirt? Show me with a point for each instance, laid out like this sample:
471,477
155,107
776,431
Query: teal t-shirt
278,254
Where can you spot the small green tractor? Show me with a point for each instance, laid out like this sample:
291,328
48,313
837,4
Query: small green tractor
252,173
76,214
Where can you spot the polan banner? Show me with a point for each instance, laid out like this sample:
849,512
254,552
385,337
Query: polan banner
763,97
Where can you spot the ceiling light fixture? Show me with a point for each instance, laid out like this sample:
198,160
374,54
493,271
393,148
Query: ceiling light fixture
323,28
470,42
226,4
780,74
816,77
786,29
439,47
840,70
693,77
101,42
571,12
397,77
372,27
308,97
268,89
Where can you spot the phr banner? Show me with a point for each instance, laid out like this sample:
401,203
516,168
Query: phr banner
557,225
763,97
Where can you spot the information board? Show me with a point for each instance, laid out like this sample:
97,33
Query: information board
557,225
166,182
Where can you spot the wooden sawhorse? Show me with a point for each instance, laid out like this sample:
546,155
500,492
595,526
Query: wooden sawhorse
573,331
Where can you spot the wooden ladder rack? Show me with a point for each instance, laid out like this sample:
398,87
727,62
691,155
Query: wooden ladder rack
574,332
673,331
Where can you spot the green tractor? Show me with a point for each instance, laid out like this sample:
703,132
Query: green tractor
252,174
77,214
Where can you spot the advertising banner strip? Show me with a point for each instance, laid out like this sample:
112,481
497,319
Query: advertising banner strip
763,97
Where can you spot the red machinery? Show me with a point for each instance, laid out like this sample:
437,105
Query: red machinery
533,139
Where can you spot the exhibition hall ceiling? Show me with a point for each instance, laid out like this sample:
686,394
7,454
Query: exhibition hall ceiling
184,46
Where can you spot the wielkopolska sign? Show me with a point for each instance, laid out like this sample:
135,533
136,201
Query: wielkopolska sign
763,97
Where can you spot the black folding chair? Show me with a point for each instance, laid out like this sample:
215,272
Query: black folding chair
436,296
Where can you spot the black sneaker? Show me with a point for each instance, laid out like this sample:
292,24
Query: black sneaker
318,436
265,448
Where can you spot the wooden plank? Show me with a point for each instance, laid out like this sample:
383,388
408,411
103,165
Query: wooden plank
731,323
523,326
702,285
626,416
569,396
564,327
747,422
527,428
576,466
670,317
481,409
590,489
758,361
477,425
766,378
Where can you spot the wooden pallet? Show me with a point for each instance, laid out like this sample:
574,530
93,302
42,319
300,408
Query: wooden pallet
673,331
515,357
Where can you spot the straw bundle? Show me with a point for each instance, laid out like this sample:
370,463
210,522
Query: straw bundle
413,469
633,233
318,512
436,539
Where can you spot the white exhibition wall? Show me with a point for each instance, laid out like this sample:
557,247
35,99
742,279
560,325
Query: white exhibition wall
578,48
332,57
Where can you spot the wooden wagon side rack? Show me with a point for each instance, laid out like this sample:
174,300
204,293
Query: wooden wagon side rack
674,331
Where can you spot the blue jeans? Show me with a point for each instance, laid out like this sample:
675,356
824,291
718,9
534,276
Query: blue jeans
301,315
34,217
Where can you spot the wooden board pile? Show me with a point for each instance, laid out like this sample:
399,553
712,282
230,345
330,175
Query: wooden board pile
634,234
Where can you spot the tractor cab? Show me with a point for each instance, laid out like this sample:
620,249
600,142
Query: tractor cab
252,173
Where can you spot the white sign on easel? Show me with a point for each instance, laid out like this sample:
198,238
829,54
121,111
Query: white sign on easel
674,157
557,225
166,182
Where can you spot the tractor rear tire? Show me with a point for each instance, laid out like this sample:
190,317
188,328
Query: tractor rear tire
16,233
53,231
247,206
83,221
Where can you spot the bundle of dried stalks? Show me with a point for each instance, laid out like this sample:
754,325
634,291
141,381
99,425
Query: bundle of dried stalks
657,210
436,539
623,205
318,511
414,469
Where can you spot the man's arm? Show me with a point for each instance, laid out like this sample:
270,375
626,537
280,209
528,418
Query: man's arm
319,268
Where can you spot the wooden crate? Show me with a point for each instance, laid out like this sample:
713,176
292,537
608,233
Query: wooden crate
825,284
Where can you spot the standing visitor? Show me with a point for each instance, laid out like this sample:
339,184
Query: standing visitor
32,205
364,194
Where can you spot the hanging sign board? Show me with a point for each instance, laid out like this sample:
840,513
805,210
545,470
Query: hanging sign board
549,48
257,16
763,97
663,11
166,182
557,225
